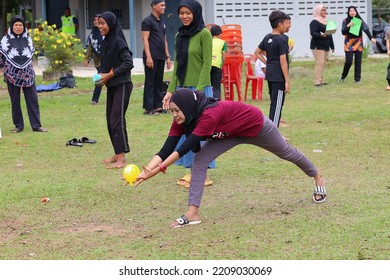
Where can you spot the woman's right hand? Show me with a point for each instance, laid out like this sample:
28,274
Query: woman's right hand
166,100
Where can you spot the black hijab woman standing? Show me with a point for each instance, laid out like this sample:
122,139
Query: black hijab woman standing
116,65
16,52
353,43
192,66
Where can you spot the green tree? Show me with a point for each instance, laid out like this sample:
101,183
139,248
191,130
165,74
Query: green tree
381,9
6,6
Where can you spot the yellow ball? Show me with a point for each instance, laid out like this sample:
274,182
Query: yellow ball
291,43
130,173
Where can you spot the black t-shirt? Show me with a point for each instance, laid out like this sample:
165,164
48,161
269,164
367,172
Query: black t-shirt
275,45
157,29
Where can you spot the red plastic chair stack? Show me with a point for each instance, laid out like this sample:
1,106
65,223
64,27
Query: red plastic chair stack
234,57
257,82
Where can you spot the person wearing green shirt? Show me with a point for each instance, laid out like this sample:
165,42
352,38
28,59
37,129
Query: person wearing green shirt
192,66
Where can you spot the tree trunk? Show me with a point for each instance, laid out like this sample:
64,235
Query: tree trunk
4,18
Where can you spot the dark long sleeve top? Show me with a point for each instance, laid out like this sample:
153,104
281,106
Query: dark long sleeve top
122,71
354,42
364,27
317,42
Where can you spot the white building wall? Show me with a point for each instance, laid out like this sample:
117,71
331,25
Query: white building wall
252,15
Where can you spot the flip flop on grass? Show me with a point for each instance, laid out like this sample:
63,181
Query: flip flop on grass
185,180
183,221
87,140
74,143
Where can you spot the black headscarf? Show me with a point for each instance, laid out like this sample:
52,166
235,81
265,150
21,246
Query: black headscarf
357,13
192,104
114,42
96,38
184,35
17,49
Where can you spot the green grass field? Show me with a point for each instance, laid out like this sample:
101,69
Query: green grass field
259,206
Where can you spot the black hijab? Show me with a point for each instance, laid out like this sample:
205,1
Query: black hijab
17,49
184,35
192,104
349,18
114,42
96,38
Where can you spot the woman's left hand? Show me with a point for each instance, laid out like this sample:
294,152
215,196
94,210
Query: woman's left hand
144,175
105,77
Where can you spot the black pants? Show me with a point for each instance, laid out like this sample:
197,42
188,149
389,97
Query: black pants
98,89
215,79
117,102
31,97
153,85
277,95
388,74
348,64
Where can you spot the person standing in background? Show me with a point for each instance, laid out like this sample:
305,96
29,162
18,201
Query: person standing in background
155,55
116,65
388,52
192,66
93,51
320,43
219,50
28,25
16,53
275,46
260,68
353,44
69,23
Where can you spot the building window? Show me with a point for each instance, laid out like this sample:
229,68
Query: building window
258,8
119,7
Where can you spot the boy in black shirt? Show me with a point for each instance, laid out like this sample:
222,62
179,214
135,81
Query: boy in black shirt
273,51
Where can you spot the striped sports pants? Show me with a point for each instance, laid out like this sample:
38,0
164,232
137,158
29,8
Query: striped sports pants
276,91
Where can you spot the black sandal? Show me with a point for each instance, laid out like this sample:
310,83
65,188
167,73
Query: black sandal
152,112
74,143
87,140
16,130
319,190
41,129
161,111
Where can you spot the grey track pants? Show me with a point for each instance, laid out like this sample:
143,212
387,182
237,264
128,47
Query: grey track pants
269,138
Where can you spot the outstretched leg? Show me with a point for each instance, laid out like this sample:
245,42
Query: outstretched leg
272,140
